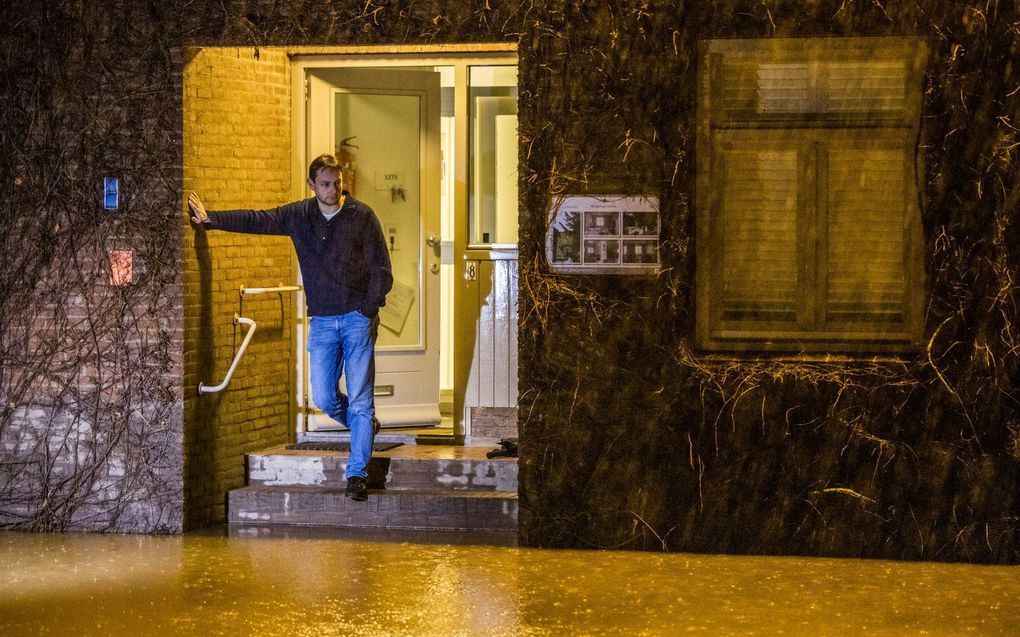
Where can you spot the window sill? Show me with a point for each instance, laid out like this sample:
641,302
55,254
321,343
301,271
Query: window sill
821,359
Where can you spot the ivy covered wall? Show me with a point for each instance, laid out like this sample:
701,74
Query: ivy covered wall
95,431
629,436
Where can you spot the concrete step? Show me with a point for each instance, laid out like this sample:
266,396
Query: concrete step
403,468
441,487
402,509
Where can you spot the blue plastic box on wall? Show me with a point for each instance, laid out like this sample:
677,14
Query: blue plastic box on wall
111,193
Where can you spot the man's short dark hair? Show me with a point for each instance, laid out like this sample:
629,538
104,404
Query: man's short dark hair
320,162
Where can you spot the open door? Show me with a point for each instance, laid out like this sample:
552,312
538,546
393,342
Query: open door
384,126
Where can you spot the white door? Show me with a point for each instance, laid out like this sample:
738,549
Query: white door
384,125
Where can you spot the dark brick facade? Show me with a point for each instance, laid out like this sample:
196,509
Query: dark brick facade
629,437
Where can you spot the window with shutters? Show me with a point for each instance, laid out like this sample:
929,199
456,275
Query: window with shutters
808,227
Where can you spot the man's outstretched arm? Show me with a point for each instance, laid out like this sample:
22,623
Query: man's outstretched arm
273,221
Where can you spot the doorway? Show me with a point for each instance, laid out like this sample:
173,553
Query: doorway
429,141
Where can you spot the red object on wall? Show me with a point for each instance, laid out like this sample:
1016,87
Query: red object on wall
120,267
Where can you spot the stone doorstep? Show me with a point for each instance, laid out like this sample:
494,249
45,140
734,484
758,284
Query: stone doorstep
323,506
403,468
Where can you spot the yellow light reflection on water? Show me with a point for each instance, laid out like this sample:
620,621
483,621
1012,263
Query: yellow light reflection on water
271,583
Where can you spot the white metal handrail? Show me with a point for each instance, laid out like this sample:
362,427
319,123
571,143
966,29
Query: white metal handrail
206,389
202,387
279,288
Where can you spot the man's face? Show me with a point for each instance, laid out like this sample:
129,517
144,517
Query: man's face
327,187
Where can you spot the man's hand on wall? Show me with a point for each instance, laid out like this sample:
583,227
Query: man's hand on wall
198,214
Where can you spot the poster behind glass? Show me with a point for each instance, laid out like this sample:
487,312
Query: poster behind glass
611,234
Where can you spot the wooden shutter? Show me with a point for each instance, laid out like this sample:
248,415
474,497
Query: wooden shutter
808,219
767,90
866,242
866,88
749,88
758,224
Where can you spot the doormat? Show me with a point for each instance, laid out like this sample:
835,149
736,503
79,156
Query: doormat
339,446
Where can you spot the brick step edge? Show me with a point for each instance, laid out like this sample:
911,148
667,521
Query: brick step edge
323,506
325,471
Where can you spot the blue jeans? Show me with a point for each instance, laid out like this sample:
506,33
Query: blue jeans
345,344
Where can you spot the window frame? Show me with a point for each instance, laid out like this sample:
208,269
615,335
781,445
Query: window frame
813,134
476,207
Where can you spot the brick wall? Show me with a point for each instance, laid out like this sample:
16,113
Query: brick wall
631,437
237,153
90,371
96,381
493,422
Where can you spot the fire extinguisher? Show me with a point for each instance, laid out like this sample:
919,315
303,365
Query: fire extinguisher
346,159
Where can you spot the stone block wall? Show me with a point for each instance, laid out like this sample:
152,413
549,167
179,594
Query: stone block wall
237,154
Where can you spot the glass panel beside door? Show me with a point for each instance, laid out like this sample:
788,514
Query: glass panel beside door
493,165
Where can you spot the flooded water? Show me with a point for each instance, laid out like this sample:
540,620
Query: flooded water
258,583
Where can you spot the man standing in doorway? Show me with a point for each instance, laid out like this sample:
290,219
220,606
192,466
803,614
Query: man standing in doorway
346,270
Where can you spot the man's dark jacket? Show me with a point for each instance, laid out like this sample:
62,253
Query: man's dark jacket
345,265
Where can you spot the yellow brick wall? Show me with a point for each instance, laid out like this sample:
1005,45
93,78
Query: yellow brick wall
237,154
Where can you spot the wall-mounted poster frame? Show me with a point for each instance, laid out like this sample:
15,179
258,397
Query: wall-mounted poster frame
603,234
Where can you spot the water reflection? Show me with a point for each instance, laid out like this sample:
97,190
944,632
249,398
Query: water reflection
318,583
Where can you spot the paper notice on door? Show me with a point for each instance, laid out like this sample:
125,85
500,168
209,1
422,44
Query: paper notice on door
394,314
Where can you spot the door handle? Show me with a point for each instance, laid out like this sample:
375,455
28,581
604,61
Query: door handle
433,241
